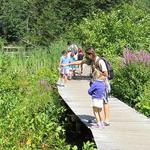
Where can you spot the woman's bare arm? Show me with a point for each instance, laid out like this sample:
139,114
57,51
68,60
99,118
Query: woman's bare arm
74,63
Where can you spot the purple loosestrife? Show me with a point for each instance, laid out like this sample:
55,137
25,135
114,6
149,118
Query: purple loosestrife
130,57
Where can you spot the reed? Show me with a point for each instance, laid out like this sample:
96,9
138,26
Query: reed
34,59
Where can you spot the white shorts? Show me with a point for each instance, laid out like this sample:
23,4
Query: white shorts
97,103
64,71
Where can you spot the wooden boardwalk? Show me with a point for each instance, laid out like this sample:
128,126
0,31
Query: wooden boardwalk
129,130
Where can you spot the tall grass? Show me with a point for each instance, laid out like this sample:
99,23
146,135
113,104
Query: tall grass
30,109
34,59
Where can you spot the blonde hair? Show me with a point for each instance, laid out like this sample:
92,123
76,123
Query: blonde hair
96,74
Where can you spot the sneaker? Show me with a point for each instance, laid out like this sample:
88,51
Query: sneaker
101,124
96,126
62,85
58,84
106,123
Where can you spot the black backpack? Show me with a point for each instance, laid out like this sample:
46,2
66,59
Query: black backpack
108,66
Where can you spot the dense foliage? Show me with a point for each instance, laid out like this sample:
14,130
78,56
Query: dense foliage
30,110
143,101
109,32
133,76
29,117
37,22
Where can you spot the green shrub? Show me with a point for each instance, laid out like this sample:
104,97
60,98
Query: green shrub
143,104
30,110
132,75
2,42
88,146
29,114
110,32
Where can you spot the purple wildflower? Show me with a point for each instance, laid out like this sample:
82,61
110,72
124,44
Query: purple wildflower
130,57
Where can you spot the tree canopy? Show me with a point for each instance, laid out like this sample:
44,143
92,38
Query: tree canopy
42,22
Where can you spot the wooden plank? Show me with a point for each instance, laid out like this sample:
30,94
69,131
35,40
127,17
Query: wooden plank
129,129
11,49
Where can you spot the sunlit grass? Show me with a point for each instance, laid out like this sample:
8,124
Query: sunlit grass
34,59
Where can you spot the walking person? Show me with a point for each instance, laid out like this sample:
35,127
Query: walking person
97,91
93,60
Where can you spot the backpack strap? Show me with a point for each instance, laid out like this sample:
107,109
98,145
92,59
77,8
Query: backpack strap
98,66
95,65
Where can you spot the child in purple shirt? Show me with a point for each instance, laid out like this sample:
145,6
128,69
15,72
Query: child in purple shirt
97,91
